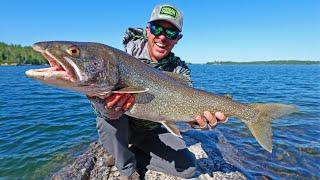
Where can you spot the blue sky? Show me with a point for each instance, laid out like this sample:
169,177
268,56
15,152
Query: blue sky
223,30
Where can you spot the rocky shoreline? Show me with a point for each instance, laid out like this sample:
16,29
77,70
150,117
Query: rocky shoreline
96,164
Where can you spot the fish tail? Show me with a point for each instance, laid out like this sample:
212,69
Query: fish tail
261,127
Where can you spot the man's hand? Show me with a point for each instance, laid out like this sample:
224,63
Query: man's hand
208,121
113,105
120,101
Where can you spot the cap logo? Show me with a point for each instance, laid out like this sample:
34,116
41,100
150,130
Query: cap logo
167,10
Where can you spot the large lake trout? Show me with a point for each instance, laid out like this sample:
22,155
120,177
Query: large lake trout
98,69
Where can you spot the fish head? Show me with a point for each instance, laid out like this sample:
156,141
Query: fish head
81,66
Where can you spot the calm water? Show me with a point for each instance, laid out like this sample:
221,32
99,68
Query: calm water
44,128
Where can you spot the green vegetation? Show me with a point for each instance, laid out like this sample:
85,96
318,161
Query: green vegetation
19,55
268,62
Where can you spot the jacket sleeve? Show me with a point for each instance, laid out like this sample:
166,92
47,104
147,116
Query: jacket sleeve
133,34
134,40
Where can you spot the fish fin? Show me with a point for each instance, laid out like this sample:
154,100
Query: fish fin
178,77
132,90
100,94
172,128
261,128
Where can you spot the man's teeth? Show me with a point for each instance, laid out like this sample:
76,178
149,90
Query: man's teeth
160,45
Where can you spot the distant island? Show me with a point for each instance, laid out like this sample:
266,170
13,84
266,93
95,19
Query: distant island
19,55
268,62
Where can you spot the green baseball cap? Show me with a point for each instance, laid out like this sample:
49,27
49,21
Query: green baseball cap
168,13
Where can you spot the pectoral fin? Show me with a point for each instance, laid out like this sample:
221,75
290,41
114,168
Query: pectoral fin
172,128
103,92
133,90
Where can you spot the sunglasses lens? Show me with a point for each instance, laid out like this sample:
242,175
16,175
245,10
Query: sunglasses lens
157,30
171,34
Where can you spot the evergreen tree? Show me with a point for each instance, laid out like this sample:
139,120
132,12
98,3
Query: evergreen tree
20,55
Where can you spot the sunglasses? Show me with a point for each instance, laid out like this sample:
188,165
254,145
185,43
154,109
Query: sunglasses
169,33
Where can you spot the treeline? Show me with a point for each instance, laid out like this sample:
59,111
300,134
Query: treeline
19,55
268,62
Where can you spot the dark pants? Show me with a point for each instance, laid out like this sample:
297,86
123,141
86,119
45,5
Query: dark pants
156,150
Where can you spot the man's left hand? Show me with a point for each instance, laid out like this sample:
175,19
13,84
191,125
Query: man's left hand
208,120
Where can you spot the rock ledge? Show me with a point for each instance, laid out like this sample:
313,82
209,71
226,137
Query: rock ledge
96,163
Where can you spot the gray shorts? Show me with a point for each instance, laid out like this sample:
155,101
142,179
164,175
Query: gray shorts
156,150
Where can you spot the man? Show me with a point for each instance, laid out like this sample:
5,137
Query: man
152,146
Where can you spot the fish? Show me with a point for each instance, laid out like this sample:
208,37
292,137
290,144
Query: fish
97,69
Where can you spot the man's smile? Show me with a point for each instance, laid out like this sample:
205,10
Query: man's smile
160,45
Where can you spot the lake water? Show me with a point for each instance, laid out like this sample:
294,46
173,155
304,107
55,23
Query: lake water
43,128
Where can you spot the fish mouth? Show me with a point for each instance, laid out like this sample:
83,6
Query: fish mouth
57,70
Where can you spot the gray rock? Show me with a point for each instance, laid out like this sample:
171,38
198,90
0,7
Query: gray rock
97,164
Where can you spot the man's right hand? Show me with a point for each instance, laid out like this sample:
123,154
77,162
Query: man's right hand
119,102
114,105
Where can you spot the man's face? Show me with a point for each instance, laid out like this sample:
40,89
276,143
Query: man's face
160,46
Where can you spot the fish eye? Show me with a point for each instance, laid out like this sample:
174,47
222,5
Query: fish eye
73,51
